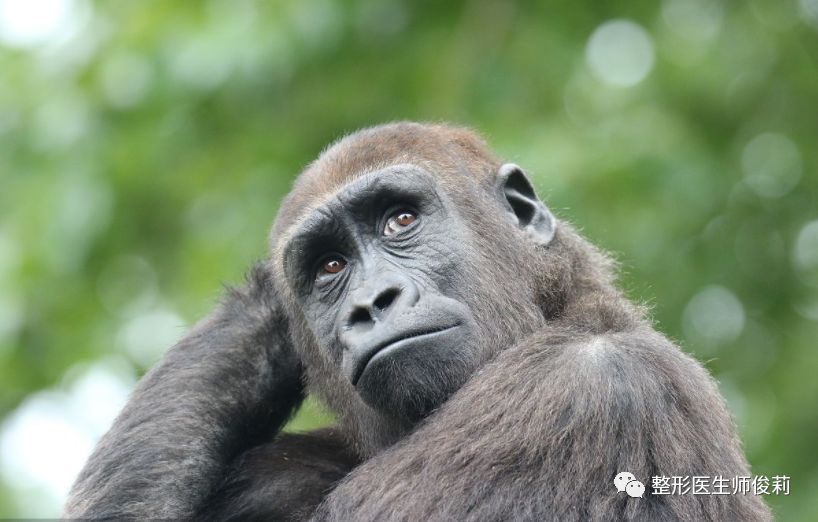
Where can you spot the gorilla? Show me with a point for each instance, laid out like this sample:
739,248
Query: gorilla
481,362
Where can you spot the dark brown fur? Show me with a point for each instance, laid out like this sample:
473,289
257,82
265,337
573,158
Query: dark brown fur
574,386
584,389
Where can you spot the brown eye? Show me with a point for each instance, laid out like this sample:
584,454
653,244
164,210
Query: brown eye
333,265
399,221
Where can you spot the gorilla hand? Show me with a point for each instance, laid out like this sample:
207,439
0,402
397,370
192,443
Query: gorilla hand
230,383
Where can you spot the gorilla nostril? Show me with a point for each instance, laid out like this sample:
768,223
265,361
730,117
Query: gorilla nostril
367,312
359,316
386,299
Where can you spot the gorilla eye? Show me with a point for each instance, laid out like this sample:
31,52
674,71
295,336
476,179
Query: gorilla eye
332,265
398,222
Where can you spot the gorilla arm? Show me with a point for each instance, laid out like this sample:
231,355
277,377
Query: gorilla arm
231,383
282,480
540,433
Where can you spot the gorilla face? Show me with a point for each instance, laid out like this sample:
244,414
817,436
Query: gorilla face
378,271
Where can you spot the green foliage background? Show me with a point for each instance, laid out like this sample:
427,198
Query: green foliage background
142,161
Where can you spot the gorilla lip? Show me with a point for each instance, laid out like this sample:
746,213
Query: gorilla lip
396,343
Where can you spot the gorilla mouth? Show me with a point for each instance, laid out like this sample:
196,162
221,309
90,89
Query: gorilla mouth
397,343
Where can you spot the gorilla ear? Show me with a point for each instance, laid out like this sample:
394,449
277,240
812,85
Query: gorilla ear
531,214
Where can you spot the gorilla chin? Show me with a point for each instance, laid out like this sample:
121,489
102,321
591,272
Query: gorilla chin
409,377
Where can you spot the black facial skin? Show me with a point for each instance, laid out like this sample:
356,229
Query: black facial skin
378,293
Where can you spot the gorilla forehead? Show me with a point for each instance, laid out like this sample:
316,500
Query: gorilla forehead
438,149
352,203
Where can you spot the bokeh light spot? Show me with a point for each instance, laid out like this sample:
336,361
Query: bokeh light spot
127,286
809,11
713,317
44,443
620,53
82,209
805,253
125,80
62,120
693,19
30,23
147,336
771,164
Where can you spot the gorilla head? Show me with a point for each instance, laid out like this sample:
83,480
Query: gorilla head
387,249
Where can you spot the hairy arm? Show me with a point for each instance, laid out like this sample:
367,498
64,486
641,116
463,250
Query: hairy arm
282,480
231,383
540,433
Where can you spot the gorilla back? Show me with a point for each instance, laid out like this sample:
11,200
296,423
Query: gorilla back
480,360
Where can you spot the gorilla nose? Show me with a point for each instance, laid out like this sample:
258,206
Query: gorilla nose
372,304
371,312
